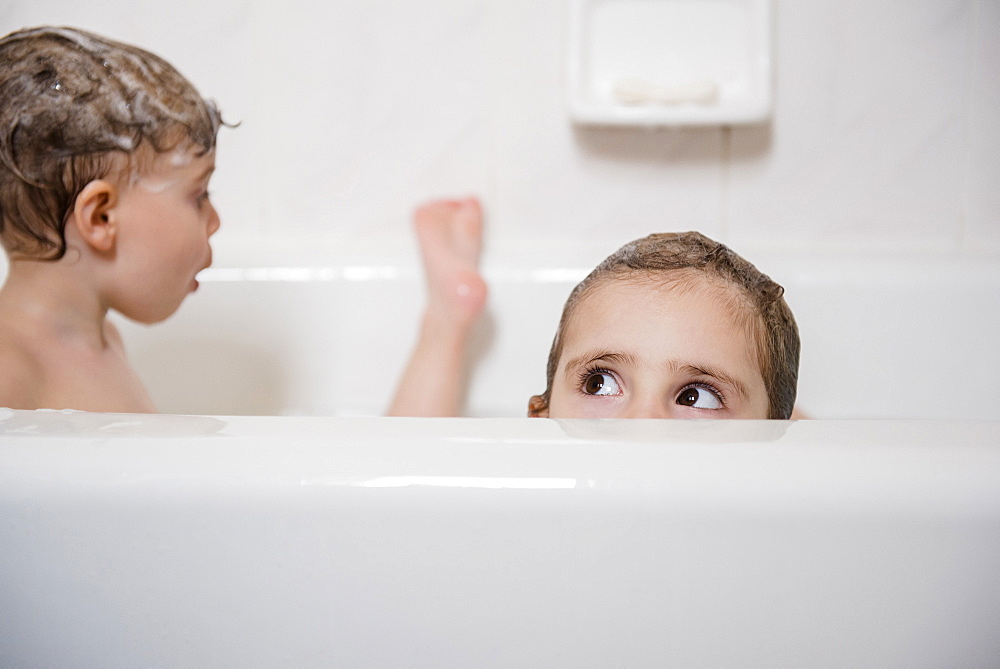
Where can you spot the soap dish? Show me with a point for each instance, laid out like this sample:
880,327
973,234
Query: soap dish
670,62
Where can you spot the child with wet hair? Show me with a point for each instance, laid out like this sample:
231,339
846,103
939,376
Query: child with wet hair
106,152
673,325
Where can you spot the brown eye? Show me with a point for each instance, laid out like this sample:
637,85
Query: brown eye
601,383
688,397
699,398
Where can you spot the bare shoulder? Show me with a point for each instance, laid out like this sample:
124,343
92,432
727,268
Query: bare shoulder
20,372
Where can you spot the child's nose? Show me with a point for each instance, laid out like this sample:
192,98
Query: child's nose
651,408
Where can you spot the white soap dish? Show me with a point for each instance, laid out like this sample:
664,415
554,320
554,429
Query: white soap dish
670,62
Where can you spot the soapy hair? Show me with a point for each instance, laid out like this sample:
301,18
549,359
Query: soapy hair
75,107
680,259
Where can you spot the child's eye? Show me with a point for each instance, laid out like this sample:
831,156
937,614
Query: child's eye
699,397
600,382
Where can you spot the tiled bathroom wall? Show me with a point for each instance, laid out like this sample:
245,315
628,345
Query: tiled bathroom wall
884,129
882,160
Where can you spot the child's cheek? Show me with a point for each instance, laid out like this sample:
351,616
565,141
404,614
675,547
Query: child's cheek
580,405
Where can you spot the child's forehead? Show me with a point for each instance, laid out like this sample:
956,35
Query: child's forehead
192,157
657,323
661,307
658,289
184,159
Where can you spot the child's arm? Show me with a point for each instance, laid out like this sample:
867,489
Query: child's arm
450,235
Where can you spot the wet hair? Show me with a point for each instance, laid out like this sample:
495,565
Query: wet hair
679,259
75,107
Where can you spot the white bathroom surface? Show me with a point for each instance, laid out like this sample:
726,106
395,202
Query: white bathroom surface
670,62
263,541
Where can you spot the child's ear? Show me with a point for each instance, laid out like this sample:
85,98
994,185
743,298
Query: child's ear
538,407
93,214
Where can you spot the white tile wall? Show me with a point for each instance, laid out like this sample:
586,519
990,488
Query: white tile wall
870,135
555,181
885,127
367,107
885,140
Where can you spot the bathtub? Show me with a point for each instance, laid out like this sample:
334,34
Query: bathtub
319,541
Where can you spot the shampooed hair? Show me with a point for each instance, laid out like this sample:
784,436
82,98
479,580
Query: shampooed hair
73,105
757,303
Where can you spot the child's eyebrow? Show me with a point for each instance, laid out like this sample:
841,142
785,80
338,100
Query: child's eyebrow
716,373
600,356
